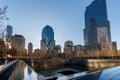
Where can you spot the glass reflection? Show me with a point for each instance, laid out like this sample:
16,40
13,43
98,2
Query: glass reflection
29,71
32,63
23,72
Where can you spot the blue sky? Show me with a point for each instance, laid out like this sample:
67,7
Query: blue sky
66,17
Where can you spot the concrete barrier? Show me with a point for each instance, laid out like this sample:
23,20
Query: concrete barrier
46,63
94,63
5,66
78,63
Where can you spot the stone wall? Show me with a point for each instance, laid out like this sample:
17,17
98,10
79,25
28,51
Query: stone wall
46,63
78,63
94,63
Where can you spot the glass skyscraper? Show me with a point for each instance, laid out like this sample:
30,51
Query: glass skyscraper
47,42
96,23
9,31
30,48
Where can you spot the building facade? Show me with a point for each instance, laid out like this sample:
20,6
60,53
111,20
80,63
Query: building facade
47,42
9,32
78,49
37,51
68,47
18,42
57,49
30,48
8,37
96,23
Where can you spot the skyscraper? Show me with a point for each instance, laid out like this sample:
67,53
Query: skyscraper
68,47
30,48
96,23
18,42
47,42
9,32
57,49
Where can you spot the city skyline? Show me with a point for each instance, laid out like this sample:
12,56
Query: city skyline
68,19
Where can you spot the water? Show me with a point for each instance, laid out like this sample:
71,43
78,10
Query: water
52,71
56,71
23,72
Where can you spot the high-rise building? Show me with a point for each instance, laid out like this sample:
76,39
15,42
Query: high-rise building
68,47
78,48
18,42
57,49
96,23
9,32
30,48
37,51
47,42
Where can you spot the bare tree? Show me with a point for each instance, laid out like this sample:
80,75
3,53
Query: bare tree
3,17
3,49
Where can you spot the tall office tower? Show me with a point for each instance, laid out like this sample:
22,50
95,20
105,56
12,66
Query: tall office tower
30,48
97,25
18,42
9,32
68,47
47,42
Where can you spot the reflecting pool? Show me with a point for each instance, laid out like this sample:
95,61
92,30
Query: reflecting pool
60,71
23,72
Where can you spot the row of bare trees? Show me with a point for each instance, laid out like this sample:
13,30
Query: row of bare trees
4,52
3,49
85,55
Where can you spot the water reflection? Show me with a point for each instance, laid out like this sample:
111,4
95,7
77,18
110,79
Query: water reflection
23,72
29,71
56,71
32,63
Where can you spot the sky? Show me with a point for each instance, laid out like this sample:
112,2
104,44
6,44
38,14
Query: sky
66,17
